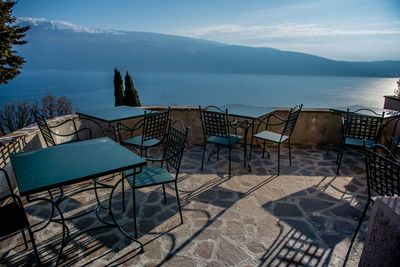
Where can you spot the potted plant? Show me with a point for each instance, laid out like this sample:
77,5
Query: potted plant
393,102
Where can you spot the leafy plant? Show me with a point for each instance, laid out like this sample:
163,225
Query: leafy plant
10,35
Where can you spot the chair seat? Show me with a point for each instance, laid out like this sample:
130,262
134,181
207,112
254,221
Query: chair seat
358,142
224,140
13,219
149,176
271,136
137,141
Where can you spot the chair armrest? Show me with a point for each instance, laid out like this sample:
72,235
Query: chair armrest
123,128
95,122
267,123
62,123
239,124
165,159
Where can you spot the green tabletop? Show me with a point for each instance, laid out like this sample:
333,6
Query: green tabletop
388,112
247,111
113,114
51,167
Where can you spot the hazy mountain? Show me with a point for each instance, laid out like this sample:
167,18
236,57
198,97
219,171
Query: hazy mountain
64,46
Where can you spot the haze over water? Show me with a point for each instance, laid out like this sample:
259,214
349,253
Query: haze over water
95,89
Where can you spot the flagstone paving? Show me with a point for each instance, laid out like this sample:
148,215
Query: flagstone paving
305,216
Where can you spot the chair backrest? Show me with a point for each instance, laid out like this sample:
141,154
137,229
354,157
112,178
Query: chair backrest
395,137
360,125
291,120
214,121
383,171
44,128
155,125
174,144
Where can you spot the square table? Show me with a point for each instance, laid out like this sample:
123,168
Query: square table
52,167
388,112
250,112
114,114
247,111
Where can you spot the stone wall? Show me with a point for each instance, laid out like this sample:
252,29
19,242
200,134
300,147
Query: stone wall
314,127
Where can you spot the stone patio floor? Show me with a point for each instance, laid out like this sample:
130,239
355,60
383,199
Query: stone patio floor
306,216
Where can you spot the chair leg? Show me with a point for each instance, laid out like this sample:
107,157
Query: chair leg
165,196
25,241
123,195
251,146
218,148
134,211
34,246
230,162
202,159
179,202
263,156
356,231
340,156
290,155
245,154
279,158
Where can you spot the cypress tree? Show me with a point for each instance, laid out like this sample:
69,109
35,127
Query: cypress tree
131,94
10,35
118,88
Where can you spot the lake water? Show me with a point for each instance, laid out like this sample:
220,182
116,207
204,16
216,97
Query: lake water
95,89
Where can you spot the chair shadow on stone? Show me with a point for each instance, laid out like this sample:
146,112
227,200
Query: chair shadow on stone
316,223
104,241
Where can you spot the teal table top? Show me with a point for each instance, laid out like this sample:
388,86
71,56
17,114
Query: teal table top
247,111
388,113
113,114
52,167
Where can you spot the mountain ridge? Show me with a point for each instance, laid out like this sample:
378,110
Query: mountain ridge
65,46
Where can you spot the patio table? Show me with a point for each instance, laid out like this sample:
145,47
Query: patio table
49,168
113,114
388,112
248,112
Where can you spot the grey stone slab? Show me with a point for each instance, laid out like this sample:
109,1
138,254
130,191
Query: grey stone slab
314,204
287,210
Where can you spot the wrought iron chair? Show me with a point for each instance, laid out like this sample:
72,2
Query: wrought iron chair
394,142
48,133
154,126
217,130
383,177
358,126
172,157
288,126
13,217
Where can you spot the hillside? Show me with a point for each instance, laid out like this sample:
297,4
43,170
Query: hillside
64,46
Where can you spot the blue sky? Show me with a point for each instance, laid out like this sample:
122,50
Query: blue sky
338,29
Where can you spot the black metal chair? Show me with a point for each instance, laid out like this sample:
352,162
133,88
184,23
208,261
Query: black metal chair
48,133
394,142
217,130
360,125
172,157
13,217
154,126
383,177
288,126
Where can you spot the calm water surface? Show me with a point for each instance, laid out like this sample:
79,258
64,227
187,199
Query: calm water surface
95,89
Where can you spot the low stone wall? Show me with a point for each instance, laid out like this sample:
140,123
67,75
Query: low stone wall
314,127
